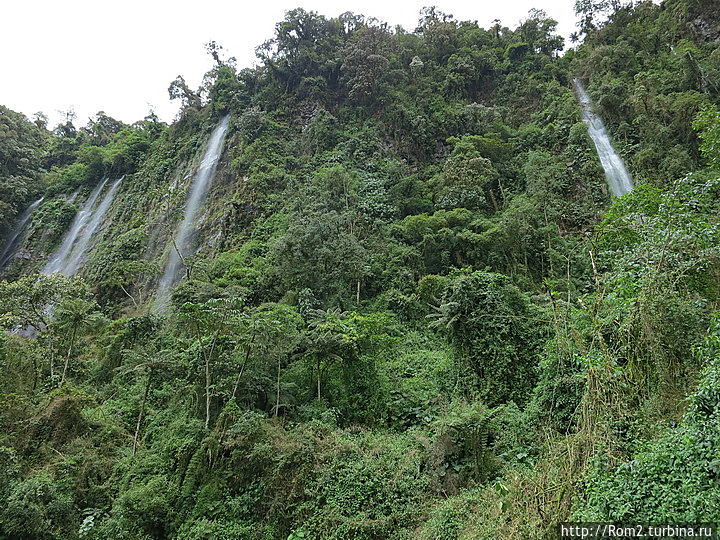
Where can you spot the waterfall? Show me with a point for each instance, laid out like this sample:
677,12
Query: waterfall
182,240
59,260
12,242
617,176
70,255
78,252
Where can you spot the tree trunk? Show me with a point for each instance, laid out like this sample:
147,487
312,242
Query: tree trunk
207,392
277,391
492,199
67,358
207,356
242,368
36,373
142,411
318,380
129,295
51,344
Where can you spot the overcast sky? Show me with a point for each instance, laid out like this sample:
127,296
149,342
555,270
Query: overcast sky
120,57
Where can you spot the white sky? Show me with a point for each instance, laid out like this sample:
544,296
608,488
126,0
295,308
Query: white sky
120,57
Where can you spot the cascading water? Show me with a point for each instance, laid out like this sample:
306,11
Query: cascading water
617,176
11,245
77,254
59,260
70,255
182,246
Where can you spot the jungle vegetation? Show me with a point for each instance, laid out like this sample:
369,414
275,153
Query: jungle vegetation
415,311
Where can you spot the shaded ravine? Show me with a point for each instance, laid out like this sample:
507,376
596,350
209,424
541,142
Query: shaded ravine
182,242
71,254
616,174
11,245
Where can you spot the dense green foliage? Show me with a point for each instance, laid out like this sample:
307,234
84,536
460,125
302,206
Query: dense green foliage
21,144
414,310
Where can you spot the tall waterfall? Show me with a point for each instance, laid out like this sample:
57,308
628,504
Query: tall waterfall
70,255
58,262
12,242
182,241
617,176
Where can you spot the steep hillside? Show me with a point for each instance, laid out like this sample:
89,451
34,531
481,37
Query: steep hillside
407,307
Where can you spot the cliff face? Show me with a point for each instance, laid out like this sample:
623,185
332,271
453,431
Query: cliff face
707,25
139,225
412,308
705,20
391,109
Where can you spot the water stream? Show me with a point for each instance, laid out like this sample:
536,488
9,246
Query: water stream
183,239
79,250
12,243
617,176
71,253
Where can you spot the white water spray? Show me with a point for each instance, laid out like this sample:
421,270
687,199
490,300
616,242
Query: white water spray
59,260
77,255
182,241
70,255
11,245
617,176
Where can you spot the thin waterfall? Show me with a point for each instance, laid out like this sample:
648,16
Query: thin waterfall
12,242
77,255
182,241
70,254
59,260
616,174
73,196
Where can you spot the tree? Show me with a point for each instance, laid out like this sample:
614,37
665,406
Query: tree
439,32
464,181
51,307
101,129
278,325
40,119
149,361
20,164
469,178
365,66
23,302
67,128
335,336
322,249
73,316
708,126
179,89
208,321
496,332
266,333
326,342
539,31
262,330
304,46
214,49
592,12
